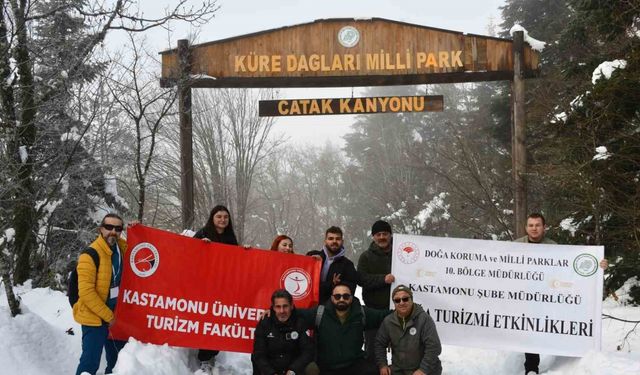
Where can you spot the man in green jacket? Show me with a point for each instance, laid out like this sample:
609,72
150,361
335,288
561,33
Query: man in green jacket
412,335
340,324
374,267
536,230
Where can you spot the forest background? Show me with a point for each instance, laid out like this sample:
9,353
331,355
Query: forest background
85,131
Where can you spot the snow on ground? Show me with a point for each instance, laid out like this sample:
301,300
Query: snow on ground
35,343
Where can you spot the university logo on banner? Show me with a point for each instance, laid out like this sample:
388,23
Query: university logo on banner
537,298
144,259
186,292
296,281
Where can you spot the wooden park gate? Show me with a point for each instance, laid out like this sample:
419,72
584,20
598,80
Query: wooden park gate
351,52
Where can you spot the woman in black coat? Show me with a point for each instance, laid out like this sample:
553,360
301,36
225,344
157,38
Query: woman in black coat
218,228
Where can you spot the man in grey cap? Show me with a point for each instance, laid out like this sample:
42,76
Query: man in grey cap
412,335
374,267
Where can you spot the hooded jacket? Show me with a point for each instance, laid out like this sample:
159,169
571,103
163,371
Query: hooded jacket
373,265
281,346
414,343
341,265
91,308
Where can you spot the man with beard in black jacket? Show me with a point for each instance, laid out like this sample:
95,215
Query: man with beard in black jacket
336,267
281,344
374,267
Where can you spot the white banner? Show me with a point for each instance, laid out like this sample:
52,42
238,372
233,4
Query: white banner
512,296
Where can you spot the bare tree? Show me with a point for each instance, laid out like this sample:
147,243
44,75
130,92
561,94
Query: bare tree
35,85
248,138
147,107
300,192
230,145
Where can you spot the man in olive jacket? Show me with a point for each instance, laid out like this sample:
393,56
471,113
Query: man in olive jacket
374,267
98,289
339,333
412,335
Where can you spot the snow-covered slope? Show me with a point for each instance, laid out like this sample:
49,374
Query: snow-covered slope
35,343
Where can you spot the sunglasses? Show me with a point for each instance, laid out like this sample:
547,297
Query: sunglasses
345,296
403,299
110,227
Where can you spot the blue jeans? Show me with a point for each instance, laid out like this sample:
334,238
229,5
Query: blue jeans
93,340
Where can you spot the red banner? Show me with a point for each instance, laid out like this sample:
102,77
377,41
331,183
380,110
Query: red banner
186,292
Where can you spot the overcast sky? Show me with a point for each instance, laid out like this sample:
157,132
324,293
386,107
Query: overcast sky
238,17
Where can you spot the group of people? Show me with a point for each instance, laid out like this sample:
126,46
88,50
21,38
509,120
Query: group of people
326,339
341,324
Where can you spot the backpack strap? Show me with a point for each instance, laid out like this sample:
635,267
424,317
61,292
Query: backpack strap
94,255
319,312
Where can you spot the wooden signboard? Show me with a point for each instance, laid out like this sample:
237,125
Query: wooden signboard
343,53
348,52
350,106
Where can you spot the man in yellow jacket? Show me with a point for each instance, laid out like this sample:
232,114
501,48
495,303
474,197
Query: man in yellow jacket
98,292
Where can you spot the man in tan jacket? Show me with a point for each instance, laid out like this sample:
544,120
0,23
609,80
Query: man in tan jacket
98,289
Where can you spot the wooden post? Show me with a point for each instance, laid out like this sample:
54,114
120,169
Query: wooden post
186,134
518,135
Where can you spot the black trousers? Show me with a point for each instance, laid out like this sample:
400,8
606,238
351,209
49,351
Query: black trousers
369,342
206,355
531,362
360,367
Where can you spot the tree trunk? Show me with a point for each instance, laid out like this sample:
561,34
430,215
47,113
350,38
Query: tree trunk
14,303
24,217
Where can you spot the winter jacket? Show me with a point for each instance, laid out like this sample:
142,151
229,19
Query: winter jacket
281,346
545,240
373,265
414,343
91,308
341,265
225,238
340,345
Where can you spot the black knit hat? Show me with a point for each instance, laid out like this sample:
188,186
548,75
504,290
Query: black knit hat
380,226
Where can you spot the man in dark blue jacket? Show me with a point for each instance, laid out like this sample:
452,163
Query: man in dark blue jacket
336,267
281,344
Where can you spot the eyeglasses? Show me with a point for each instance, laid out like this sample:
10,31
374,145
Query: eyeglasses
345,296
403,299
110,227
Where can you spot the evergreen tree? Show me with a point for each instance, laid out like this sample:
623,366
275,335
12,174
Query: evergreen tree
592,158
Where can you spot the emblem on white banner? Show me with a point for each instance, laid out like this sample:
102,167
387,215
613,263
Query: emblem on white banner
585,265
408,252
144,259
